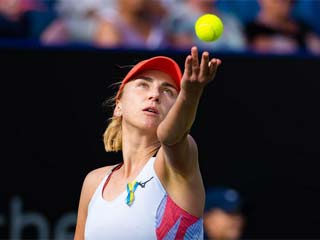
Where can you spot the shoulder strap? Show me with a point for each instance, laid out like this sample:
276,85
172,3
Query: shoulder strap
115,168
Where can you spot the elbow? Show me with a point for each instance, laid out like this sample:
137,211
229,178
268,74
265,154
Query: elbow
165,136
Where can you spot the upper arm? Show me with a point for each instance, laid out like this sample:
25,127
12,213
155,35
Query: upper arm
178,170
89,186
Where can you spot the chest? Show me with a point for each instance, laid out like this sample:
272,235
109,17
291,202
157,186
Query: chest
114,219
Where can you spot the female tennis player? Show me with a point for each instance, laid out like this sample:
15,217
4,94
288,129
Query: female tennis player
157,191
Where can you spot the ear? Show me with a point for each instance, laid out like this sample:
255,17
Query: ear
117,110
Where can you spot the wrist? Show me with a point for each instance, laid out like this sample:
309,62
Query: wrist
191,94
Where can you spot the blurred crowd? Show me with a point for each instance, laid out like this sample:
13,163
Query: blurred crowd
262,26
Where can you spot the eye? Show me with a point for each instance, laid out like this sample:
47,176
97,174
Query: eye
142,84
168,91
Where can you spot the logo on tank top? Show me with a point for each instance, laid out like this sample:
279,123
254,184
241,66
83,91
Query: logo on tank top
132,187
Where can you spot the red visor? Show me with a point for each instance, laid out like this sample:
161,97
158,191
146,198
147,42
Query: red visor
160,63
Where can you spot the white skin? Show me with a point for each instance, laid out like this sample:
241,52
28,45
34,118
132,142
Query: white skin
144,133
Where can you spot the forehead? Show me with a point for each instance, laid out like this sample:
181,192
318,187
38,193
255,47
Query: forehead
156,76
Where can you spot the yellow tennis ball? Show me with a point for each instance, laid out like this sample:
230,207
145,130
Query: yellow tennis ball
208,27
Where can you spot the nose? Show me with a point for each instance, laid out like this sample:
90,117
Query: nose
154,95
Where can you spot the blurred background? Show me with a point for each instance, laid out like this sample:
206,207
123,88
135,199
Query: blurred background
257,126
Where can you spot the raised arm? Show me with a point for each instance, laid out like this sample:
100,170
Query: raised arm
173,130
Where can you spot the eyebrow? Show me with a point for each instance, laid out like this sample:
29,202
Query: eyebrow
150,79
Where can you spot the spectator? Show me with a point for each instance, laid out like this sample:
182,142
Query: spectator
274,30
181,26
135,24
15,22
223,218
77,22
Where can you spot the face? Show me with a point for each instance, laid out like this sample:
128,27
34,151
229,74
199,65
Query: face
221,225
11,8
280,8
146,100
134,6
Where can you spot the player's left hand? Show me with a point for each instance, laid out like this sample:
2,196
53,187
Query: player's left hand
196,75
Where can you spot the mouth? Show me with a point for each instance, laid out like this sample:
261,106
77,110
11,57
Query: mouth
151,110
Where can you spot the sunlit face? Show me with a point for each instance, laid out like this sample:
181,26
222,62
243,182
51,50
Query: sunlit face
146,100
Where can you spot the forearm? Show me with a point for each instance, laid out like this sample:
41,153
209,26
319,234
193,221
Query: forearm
180,118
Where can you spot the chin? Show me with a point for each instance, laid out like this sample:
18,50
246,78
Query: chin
151,124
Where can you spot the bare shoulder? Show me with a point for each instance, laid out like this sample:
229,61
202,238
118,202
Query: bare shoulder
94,177
98,173
90,184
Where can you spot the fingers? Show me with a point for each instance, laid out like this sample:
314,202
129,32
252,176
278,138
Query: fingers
204,67
188,66
192,63
194,54
213,65
208,67
195,61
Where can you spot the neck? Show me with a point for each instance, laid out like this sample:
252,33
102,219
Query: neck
137,149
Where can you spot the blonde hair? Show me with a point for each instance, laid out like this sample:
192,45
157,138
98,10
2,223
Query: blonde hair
112,137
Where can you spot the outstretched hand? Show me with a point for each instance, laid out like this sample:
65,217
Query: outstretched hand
196,75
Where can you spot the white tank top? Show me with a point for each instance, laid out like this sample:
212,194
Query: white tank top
147,216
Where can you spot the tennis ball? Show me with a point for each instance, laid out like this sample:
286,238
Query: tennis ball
208,27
